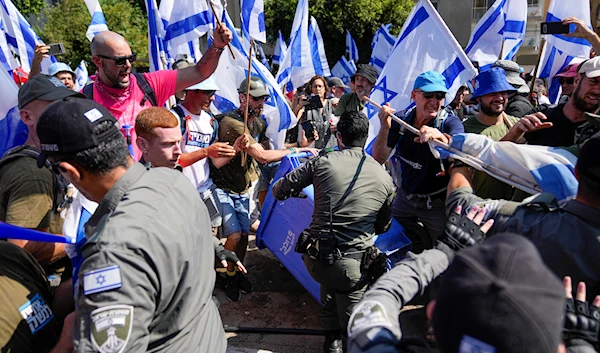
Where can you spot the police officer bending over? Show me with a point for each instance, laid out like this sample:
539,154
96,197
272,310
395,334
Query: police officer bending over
353,196
146,280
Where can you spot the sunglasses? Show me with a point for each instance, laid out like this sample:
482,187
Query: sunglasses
120,60
258,99
568,81
208,93
437,95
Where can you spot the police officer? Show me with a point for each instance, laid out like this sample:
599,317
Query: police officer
566,234
353,196
146,280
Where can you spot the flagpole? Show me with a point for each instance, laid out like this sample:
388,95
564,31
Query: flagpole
219,23
541,53
497,173
247,95
501,50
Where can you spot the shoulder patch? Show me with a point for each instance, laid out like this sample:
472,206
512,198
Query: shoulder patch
36,313
367,315
101,280
111,328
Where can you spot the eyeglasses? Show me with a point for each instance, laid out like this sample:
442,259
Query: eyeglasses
120,60
568,81
437,95
258,99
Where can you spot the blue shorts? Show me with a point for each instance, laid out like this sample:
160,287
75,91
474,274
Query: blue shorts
235,214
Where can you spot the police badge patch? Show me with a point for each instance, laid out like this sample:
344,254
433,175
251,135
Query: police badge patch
111,328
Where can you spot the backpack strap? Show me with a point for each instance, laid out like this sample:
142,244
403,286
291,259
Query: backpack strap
149,94
182,124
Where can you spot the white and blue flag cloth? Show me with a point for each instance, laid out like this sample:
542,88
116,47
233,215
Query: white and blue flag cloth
425,43
184,21
344,69
561,50
541,168
156,48
98,23
505,21
13,131
263,57
297,66
280,49
7,58
82,76
382,45
231,72
317,49
253,19
351,48
20,36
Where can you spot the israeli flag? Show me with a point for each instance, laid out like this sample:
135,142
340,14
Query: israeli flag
190,51
82,76
425,43
544,169
560,50
351,48
344,69
184,20
156,48
382,45
98,23
280,49
297,66
231,72
6,56
263,57
505,21
13,132
253,19
317,49
20,36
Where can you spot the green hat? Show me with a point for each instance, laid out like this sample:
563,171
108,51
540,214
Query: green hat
258,87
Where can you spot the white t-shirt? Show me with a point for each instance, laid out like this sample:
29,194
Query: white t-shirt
199,133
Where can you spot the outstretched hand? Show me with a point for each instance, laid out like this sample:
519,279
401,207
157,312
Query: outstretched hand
582,320
466,230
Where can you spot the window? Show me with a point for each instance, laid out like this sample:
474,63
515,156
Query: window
480,7
532,3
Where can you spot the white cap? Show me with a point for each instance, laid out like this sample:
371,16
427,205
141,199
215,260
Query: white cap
207,85
591,68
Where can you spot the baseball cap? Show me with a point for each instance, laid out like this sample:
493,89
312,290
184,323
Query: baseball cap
591,68
505,297
336,82
431,81
491,81
588,163
258,87
67,126
48,88
511,70
569,71
59,67
367,71
210,84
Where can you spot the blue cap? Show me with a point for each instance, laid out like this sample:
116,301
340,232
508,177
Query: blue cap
431,81
59,67
492,81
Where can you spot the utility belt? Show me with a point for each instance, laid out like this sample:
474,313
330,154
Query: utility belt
323,246
439,194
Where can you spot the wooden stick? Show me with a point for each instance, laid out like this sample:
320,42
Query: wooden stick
247,97
537,67
501,50
219,23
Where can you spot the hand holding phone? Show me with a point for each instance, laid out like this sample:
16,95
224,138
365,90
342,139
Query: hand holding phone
56,49
554,28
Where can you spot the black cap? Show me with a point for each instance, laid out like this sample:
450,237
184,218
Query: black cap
588,163
67,126
367,71
48,88
499,293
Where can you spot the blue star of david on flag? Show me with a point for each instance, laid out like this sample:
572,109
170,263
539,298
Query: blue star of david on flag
388,94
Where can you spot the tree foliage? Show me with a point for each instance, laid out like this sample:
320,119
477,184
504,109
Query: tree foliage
67,22
28,7
361,17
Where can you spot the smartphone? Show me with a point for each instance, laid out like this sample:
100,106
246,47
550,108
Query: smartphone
554,28
309,130
56,49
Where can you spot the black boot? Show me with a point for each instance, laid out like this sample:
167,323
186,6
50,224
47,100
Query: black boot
333,342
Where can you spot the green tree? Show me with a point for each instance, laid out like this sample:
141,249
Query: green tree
68,20
28,7
361,17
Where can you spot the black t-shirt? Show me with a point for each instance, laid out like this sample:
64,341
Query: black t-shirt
563,132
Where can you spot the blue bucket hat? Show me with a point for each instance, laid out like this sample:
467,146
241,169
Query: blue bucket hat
59,67
492,81
431,81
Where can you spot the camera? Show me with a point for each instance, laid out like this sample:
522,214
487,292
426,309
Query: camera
314,102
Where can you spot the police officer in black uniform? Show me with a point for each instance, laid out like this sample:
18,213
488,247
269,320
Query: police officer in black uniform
353,196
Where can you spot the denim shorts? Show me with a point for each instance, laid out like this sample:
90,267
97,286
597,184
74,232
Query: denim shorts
235,212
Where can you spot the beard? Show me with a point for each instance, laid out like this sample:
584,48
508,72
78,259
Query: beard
255,111
489,111
581,104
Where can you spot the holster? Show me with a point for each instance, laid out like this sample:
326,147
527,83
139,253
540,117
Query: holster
374,264
303,242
